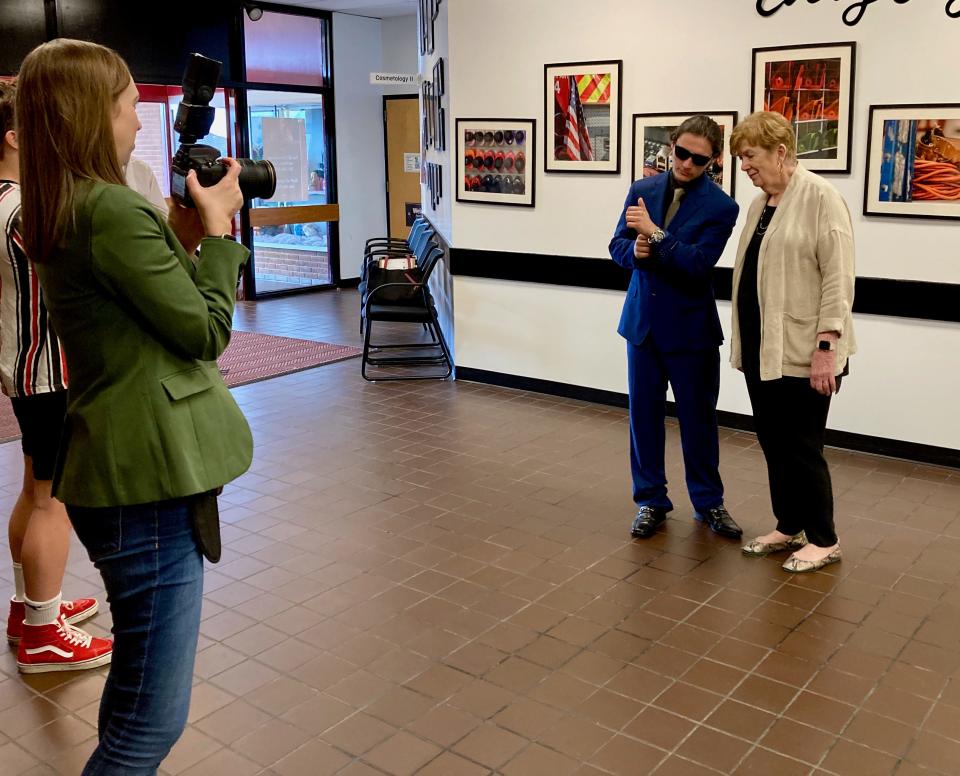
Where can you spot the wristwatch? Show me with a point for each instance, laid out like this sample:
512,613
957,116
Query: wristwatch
657,237
826,345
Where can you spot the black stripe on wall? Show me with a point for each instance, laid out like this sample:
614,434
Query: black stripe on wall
873,296
911,451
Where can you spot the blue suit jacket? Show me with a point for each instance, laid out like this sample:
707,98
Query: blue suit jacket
670,298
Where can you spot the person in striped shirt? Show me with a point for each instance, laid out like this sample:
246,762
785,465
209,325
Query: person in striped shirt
33,374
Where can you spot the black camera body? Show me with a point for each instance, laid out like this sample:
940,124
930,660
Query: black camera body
258,179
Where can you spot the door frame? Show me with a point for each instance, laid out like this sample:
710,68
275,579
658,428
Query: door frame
386,159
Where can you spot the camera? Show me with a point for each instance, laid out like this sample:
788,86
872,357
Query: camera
258,179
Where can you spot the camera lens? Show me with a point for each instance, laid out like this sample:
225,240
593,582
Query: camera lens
258,179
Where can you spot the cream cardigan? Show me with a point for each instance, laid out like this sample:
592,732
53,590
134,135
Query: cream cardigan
805,277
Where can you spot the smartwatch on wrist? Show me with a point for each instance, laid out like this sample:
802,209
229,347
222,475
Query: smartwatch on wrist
826,345
657,237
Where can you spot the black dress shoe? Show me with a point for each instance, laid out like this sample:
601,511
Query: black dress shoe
646,521
720,522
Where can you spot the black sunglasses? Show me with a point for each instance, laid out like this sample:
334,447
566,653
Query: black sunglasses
683,154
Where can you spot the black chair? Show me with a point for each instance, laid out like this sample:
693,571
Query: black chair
399,296
398,243
416,246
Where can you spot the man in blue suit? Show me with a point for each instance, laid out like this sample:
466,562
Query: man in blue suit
672,231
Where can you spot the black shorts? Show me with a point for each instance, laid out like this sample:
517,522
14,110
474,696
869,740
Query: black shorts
41,422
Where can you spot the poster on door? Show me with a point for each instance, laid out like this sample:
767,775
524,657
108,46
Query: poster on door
285,144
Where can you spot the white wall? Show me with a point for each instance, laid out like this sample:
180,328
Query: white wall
904,380
359,108
398,42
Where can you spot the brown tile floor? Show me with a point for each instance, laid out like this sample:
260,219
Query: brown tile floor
436,578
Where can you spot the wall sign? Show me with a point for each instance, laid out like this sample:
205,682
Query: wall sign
394,79
853,13
285,144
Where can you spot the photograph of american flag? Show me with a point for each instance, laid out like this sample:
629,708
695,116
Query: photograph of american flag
585,102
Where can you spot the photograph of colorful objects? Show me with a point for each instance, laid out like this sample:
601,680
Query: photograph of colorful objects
582,114
651,146
913,161
495,161
812,87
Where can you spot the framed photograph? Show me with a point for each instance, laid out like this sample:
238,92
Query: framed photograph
496,161
582,117
812,87
651,146
913,161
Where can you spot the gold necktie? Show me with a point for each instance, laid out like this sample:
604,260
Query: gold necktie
674,206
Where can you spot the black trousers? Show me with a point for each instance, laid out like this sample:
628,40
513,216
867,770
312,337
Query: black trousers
790,420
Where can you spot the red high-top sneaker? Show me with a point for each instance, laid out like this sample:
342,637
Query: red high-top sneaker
72,611
60,647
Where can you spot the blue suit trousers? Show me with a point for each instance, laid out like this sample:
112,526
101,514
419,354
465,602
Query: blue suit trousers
695,379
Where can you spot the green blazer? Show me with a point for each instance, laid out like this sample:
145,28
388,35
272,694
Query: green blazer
149,417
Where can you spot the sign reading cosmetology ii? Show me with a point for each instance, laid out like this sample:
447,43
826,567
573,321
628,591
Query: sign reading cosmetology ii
394,79
854,12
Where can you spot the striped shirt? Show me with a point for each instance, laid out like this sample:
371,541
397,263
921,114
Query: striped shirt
31,360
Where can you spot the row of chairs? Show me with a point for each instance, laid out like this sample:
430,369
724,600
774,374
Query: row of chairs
401,294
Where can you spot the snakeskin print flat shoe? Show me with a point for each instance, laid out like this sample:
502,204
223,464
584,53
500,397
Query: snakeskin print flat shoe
758,549
797,566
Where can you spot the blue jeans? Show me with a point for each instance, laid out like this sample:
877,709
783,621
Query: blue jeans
153,575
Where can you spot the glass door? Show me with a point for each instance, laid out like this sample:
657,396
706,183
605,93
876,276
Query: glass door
292,231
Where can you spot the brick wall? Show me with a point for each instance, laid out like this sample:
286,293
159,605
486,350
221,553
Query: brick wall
152,142
300,267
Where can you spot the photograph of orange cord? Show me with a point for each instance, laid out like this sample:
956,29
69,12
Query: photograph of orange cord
812,87
913,162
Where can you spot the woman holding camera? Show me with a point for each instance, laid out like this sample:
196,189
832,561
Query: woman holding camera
151,429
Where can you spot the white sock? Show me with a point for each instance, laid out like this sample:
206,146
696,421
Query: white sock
42,612
18,582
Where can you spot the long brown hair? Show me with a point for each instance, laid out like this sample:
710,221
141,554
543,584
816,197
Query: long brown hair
66,97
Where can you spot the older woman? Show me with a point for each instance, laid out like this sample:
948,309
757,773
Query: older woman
792,332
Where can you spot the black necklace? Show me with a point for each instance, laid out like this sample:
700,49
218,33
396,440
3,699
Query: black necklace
765,218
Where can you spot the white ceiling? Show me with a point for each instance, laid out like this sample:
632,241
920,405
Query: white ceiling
361,7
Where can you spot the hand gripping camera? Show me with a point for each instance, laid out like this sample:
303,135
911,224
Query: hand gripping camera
258,179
